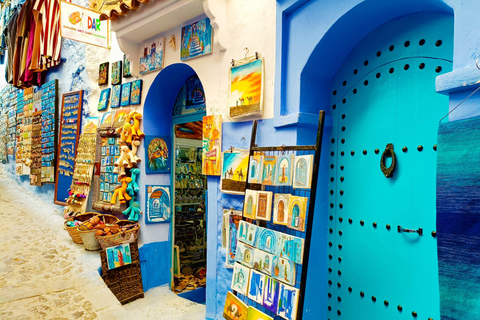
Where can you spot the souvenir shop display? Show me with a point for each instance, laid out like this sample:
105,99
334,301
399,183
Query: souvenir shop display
136,92
212,145
125,97
27,129
246,87
271,258
11,105
158,204
152,55
117,72
104,99
196,39
115,96
3,134
49,130
231,220
234,171
71,115
103,74
83,170
158,154
36,165
20,166
126,67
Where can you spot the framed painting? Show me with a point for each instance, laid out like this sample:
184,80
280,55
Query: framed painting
115,96
196,39
157,154
256,169
152,55
118,256
254,314
117,72
233,218
297,212
241,275
270,296
262,261
283,270
136,92
302,171
234,308
104,98
234,171
157,204
256,286
264,205
244,254
246,90
211,145
103,73
269,167
250,204
125,98
283,172
287,302
280,209
126,67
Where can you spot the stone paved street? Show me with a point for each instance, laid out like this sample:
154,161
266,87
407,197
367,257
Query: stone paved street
44,275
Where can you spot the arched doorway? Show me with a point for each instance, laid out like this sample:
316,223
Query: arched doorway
384,93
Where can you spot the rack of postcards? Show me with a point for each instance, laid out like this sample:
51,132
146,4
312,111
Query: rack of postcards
49,130
27,129
272,250
12,119
19,147
36,150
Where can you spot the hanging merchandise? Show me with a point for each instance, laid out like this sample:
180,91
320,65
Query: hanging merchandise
21,168
4,124
27,128
67,143
12,120
126,67
196,39
49,130
103,73
116,73
36,165
104,99
234,171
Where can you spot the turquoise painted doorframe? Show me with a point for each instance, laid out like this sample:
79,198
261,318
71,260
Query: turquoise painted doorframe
385,93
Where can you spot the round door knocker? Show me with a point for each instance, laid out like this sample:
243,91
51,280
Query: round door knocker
388,172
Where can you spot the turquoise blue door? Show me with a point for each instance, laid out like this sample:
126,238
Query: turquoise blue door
384,93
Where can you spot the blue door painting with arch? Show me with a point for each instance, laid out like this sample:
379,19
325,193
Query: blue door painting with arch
240,278
158,204
244,254
269,167
256,286
267,240
302,171
280,209
248,233
157,154
256,169
283,173
250,207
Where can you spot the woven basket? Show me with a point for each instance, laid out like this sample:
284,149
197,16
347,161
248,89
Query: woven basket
89,240
73,231
108,218
121,237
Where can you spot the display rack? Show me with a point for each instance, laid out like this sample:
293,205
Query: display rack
301,269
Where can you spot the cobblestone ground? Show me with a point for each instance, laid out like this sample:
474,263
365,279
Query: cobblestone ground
44,275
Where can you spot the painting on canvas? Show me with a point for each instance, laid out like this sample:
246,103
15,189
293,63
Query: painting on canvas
117,72
256,169
297,212
103,73
157,154
280,208
233,219
256,286
152,55
289,247
125,98
246,89
116,96
240,278
262,261
196,39
269,167
136,92
302,171
103,101
264,205
234,171
120,117
234,308
254,314
118,256
283,270
126,67
250,204
244,254
266,239
287,302
157,204
247,233
212,144
270,295
283,173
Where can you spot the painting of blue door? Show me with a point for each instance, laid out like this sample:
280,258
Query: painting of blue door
384,93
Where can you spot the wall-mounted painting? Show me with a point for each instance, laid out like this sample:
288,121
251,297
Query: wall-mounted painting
287,302
256,286
262,261
269,167
246,90
152,55
244,254
247,233
283,173
240,278
289,247
120,117
302,171
118,256
196,39
157,204
264,205
234,308
125,98
212,144
103,101
136,93
233,219
297,212
270,297
117,72
103,74
107,119
126,67
250,204
115,96
266,240
254,314
280,208
283,270
157,154
234,171
256,169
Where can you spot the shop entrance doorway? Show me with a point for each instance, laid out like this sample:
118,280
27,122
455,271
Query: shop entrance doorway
382,247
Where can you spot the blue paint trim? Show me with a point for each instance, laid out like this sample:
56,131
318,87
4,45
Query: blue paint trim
467,78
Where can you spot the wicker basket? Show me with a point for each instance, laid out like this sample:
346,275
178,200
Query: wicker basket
121,237
108,218
73,231
89,240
